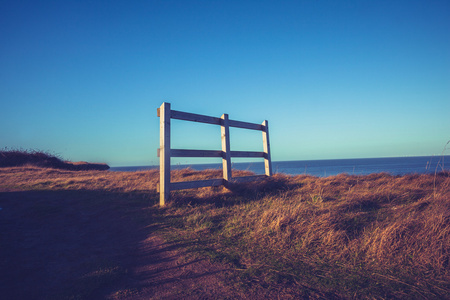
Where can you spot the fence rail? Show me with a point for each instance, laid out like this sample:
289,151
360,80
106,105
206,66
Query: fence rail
165,152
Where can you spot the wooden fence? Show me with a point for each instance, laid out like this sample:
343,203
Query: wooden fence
165,152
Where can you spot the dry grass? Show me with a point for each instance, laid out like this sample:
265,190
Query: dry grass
345,236
365,236
30,177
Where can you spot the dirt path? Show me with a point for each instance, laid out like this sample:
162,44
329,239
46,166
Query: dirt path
164,271
68,244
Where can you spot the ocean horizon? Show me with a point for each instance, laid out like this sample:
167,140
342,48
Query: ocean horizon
327,167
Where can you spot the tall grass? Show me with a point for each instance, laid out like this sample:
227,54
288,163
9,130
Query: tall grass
377,235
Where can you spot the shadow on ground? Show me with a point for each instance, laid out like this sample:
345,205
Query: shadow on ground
238,193
85,244
62,244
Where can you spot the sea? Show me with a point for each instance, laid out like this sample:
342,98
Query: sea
330,167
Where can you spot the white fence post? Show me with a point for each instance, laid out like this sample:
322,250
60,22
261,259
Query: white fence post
226,159
266,143
164,162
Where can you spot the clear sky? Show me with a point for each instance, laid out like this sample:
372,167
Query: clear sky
335,79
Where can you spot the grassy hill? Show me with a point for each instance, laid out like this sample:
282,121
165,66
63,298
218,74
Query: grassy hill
376,236
15,158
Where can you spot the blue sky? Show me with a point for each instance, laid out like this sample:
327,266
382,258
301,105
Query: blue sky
335,79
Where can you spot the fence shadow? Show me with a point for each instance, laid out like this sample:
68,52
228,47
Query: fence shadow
233,194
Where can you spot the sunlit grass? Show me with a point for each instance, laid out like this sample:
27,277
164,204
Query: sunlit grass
378,235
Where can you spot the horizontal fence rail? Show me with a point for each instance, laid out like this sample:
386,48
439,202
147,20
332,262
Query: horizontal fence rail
180,115
165,152
211,153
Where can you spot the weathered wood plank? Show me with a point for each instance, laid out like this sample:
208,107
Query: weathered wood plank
181,115
226,158
266,144
211,153
246,154
192,153
183,185
245,125
195,153
164,162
